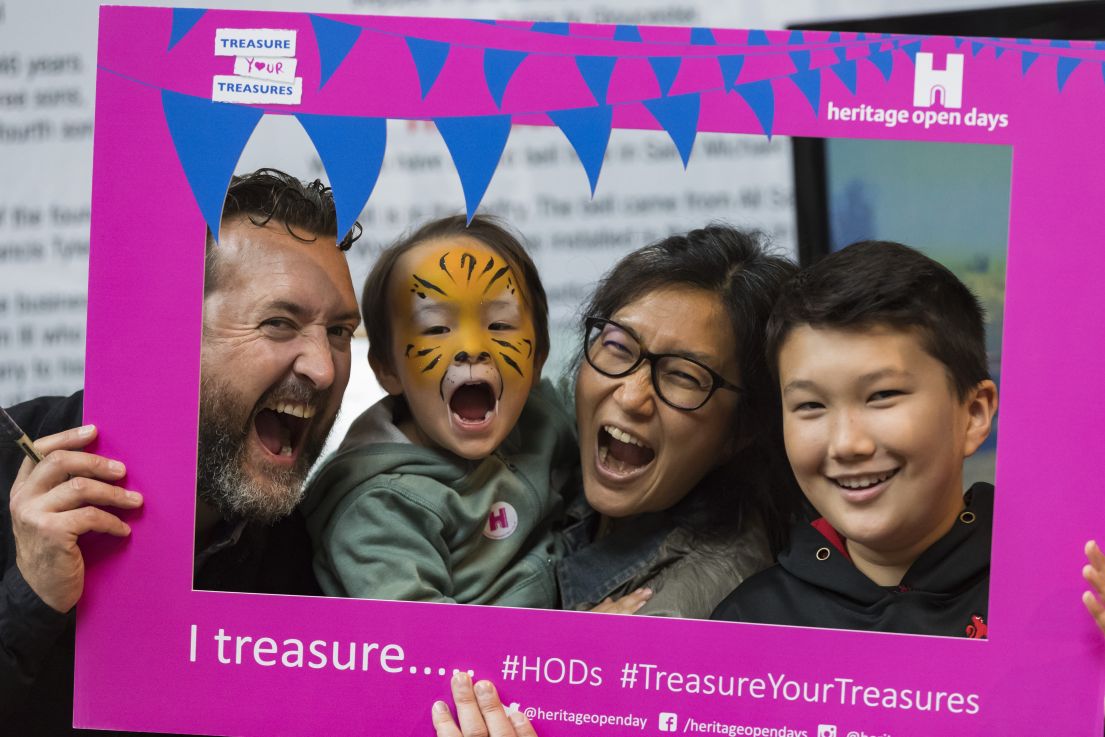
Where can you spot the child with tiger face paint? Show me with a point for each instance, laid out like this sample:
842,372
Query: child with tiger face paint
447,489
463,353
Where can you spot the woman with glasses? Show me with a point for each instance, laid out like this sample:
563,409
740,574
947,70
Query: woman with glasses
686,490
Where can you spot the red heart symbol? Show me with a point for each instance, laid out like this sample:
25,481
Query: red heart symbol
259,64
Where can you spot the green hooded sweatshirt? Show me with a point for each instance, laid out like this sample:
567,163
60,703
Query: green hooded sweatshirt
393,520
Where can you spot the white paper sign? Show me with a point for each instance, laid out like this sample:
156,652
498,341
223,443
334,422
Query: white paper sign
227,88
277,68
260,41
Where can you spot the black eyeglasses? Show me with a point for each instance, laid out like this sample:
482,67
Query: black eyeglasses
684,383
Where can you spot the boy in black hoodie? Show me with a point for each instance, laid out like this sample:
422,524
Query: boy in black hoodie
880,354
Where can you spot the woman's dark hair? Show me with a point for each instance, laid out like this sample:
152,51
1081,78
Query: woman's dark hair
486,229
733,264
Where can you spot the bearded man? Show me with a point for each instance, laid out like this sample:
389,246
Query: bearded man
279,311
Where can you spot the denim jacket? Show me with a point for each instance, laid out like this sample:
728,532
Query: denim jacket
688,576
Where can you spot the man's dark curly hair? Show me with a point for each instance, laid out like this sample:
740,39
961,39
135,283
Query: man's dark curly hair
306,211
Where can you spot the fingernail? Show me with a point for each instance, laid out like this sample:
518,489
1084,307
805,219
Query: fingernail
485,690
116,467
134,496
441,707
460,678
646,592
85,431
517,718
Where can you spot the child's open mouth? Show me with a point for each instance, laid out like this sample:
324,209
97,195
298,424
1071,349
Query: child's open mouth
621,453
473,404
281,426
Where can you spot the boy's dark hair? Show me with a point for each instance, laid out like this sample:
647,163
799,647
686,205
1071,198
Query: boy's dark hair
305,210
486,229
883,283
732,264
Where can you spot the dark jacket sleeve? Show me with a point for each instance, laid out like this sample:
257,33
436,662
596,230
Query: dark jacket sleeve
29,629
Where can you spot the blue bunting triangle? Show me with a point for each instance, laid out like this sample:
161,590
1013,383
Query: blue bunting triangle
429,57
1067,65
911,50
884,60
976,46
678,115
596,72
334,39
998,51
627,33
499,66
665,68
588,130
809,82
183,21
840,51
758,38
558,29
846,71
731,65
761,98
209,138
1027,57
352,151
476,144
702,37
800,58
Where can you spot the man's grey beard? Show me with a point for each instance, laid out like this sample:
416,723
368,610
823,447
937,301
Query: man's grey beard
221,480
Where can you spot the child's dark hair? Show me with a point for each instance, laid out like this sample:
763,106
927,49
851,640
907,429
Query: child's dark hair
755,483
883,283
486,229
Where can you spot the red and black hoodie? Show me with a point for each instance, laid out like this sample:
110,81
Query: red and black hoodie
815,584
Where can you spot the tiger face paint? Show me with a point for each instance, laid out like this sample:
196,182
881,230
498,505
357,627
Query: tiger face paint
463,344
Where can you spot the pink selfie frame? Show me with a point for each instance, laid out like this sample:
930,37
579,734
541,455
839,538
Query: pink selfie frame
147,653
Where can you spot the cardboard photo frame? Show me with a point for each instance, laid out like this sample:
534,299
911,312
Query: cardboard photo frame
152,654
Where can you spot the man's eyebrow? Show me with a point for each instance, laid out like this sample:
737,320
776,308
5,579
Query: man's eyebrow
292,308
300,312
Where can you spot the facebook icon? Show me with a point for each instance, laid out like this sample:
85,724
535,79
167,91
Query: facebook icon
668,721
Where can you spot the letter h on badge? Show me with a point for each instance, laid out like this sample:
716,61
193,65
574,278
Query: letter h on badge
929,82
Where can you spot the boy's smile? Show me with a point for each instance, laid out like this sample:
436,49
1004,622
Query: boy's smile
463,345
876,436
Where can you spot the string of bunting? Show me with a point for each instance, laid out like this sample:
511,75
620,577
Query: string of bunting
352,148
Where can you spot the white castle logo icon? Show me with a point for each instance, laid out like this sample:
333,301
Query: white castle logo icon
944,84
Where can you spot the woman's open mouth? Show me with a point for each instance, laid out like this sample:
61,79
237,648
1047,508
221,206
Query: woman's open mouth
621,453
472,405
281,427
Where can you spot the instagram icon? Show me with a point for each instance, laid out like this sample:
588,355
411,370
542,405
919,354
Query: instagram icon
826,730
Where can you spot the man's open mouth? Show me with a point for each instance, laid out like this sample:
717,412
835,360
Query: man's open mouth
621,452
472,403
281,426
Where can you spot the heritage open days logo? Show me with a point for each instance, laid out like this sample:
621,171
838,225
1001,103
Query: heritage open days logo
937,101
264,67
